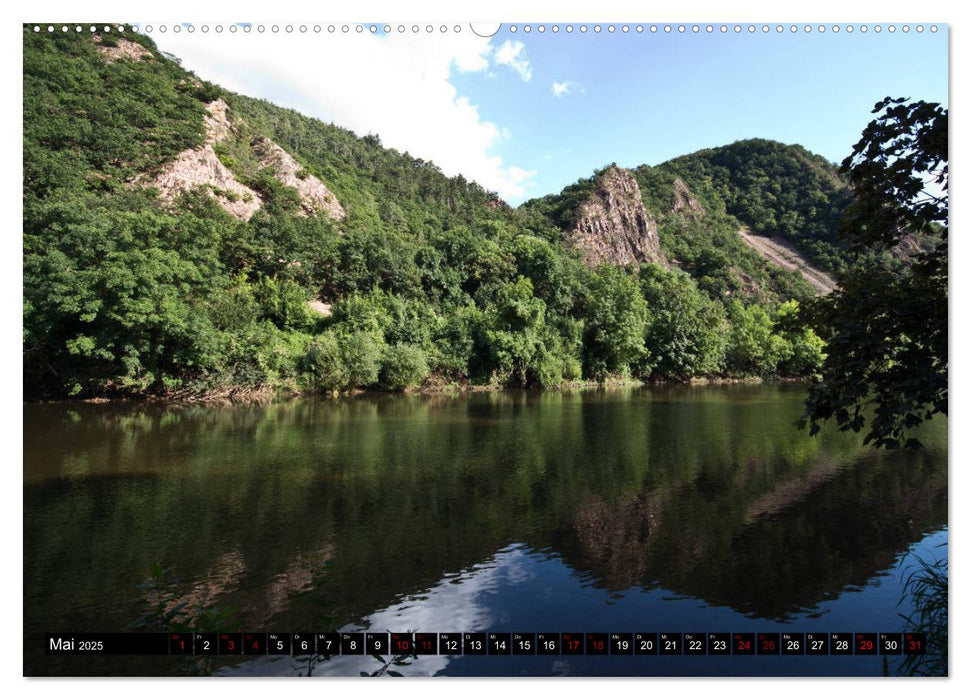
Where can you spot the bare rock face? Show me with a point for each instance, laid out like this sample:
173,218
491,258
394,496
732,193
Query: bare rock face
314,195
683,200
201,167
781,253
612,226
217,121
123,49
320,306
906,247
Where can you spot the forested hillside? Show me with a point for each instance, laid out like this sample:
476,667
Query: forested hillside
776,190
700,202
175,235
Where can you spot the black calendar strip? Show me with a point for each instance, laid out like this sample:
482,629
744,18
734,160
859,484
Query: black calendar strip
490,643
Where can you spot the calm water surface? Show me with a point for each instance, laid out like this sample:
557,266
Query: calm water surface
677,509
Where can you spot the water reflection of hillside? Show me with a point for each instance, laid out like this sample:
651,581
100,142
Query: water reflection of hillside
818,536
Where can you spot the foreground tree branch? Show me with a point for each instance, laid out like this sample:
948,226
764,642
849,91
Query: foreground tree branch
886,326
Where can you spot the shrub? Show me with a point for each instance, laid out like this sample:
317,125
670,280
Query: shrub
403,366
753,348
686,333
285,303
361,353
322,365
614,323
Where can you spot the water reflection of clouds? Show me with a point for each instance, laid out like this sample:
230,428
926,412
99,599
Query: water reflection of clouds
460,602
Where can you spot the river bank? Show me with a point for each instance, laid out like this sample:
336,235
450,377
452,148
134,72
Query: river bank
282,392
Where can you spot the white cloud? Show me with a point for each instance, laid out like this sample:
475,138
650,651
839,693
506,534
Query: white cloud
396,86
520,176
567,87
513,54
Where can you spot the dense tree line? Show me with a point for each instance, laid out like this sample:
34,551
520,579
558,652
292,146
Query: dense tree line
433,280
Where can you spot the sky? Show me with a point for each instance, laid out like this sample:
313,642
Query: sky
525,114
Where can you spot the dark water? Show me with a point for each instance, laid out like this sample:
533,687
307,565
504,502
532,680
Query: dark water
679,510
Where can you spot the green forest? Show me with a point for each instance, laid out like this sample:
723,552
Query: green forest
431,281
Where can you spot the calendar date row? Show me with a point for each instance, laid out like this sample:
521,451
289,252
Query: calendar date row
328,644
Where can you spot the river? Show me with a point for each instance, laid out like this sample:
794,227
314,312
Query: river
674,509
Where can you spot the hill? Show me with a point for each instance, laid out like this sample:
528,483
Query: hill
776,190
756,218
184,241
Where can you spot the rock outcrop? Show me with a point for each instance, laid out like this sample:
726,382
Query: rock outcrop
122,48
218,127
613,226
314,195
320,306
683,201
201,167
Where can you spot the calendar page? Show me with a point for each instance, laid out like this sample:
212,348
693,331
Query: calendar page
436,348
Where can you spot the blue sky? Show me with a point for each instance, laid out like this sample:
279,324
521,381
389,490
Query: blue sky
648,98
528,113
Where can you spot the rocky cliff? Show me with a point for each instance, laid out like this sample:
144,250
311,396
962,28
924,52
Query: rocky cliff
201,167
612,225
